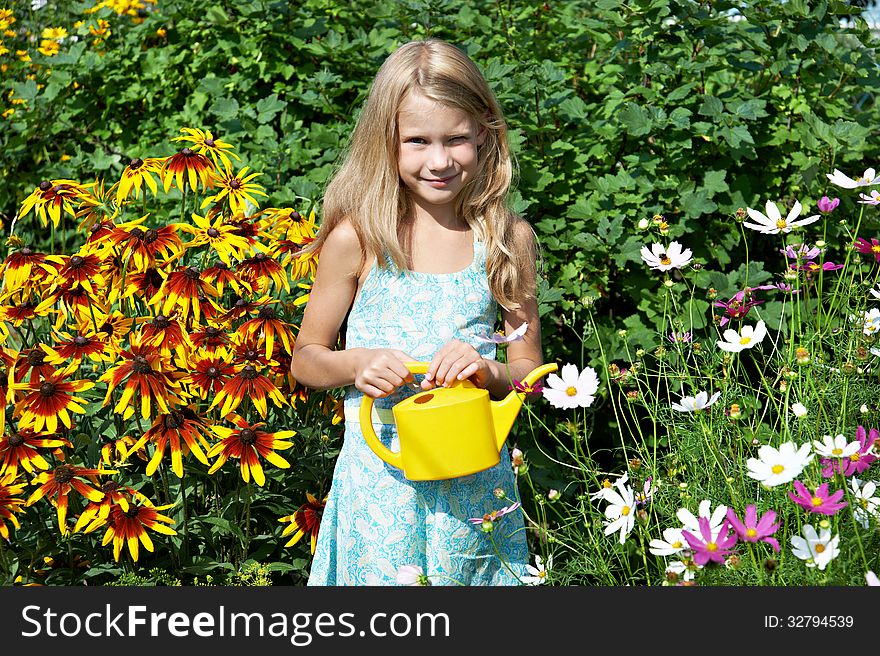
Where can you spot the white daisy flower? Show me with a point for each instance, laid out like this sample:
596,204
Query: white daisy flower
695,403
621,510
867,179
749,336
835,447
866,506
772,223
573,390
692,524
816,550
538,574
776,466
799,409
673,542
664,259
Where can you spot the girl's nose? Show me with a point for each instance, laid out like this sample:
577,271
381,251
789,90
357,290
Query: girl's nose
439,159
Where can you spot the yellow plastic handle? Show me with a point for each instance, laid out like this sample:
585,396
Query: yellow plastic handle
366,419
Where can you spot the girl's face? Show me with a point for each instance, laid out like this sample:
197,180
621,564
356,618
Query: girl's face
437,153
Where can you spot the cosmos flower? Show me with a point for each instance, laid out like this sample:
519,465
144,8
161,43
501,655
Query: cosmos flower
859,461
620,513
871,198
753,529
537,573
866,506
821,501
710,546
827,205
573,389
746,338
696,403
817,549
772,223
840,179
715,517
835,447
487,521
777,466
672,543
866,247
664,259
412,575
500,338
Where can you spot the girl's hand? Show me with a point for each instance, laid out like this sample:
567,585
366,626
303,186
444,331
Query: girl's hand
456,361
379,372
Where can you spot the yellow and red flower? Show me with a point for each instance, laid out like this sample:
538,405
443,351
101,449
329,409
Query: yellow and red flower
182,289
209,372
205,142
56,485
210,338
10,502
77,348
97,513
95,207
220,275
188,167
262,269
181,430
249,383
46,402
305,521
168,335
249,444
51,198
267,324
136,174
129,527
82,269
21,266
140,245
147,373
20,449
237,189
218,235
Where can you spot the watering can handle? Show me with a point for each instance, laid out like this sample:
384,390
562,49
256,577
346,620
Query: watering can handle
366,420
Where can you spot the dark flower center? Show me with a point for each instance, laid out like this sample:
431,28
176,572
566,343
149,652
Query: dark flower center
192,273
211,331
15,440
213,232
240,303
250,354
45,185
137,233
267,313
247,436
209,143
76,262
151,235
64,473
136,163
110,486
221,266
249,372
296,216
27,251
187,152
58,188
79,340
174,420
47,389
154,278
140,365
235,184
213,372
132,511
36,357
161,321
261,257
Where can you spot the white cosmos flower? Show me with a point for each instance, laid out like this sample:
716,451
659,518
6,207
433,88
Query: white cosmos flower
669,258
747,337
867,179
673,542
772,223
695,403
621,510
412,575
692,524
607,485
835,447
872,199
538,574
776,466
573,390
817,550
866,506
871,578
871,321
685,570
799,409
876,292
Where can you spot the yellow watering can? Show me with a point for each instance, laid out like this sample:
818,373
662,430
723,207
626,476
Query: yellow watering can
448,432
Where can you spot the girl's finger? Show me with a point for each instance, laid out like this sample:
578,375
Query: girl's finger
468,371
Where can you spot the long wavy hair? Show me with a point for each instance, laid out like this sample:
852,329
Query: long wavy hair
366,188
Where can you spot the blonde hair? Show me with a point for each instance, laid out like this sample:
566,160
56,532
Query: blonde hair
367,190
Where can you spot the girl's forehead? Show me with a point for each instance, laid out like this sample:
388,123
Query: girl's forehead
418,111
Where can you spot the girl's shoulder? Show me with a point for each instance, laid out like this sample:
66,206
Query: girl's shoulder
344,247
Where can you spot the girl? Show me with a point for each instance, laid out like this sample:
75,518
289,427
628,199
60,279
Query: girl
417,246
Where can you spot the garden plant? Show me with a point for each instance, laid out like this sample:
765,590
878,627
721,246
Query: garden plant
701,181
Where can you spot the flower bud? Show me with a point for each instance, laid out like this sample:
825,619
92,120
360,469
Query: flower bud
635,463
740,214
643,224
820,244
499,493
863,409
553,495
641,515
632,395
487,526
802,356
735,412
712,293
825,523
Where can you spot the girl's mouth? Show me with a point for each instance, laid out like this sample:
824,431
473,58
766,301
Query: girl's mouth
439,182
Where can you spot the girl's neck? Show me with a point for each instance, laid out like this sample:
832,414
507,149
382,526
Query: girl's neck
437,217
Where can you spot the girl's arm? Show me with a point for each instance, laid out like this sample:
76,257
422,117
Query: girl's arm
315,363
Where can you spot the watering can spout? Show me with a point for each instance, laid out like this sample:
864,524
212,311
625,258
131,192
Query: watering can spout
504,412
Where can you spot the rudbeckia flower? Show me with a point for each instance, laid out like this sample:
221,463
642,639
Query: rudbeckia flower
79,347
840,179
20,266
248,383
259,270
57,484
52,198
772,223
236,189
218,235
573,389
663,259
187,167
136,174
270,326
129,527
10,502
209,372
142,245
169,336
248,444
219,275
20,449
747,337
183,289
50,400
205,142
97,513
305,521
180,431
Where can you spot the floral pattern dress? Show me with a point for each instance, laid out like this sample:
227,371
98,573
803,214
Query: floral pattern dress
376,520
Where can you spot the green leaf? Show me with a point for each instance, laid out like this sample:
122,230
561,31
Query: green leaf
225,108
637,120
697,203
711,107
268,107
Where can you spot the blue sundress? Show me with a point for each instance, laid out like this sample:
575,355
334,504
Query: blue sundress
376,520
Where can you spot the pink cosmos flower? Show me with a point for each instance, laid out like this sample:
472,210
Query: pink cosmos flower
739,304
821,502
528,390
708,547
863,458
488,520
827,205
801,252
815,267
868,247
500,338
647,492
832,466
753,529
680,338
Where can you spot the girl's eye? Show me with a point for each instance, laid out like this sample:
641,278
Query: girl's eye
415,140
